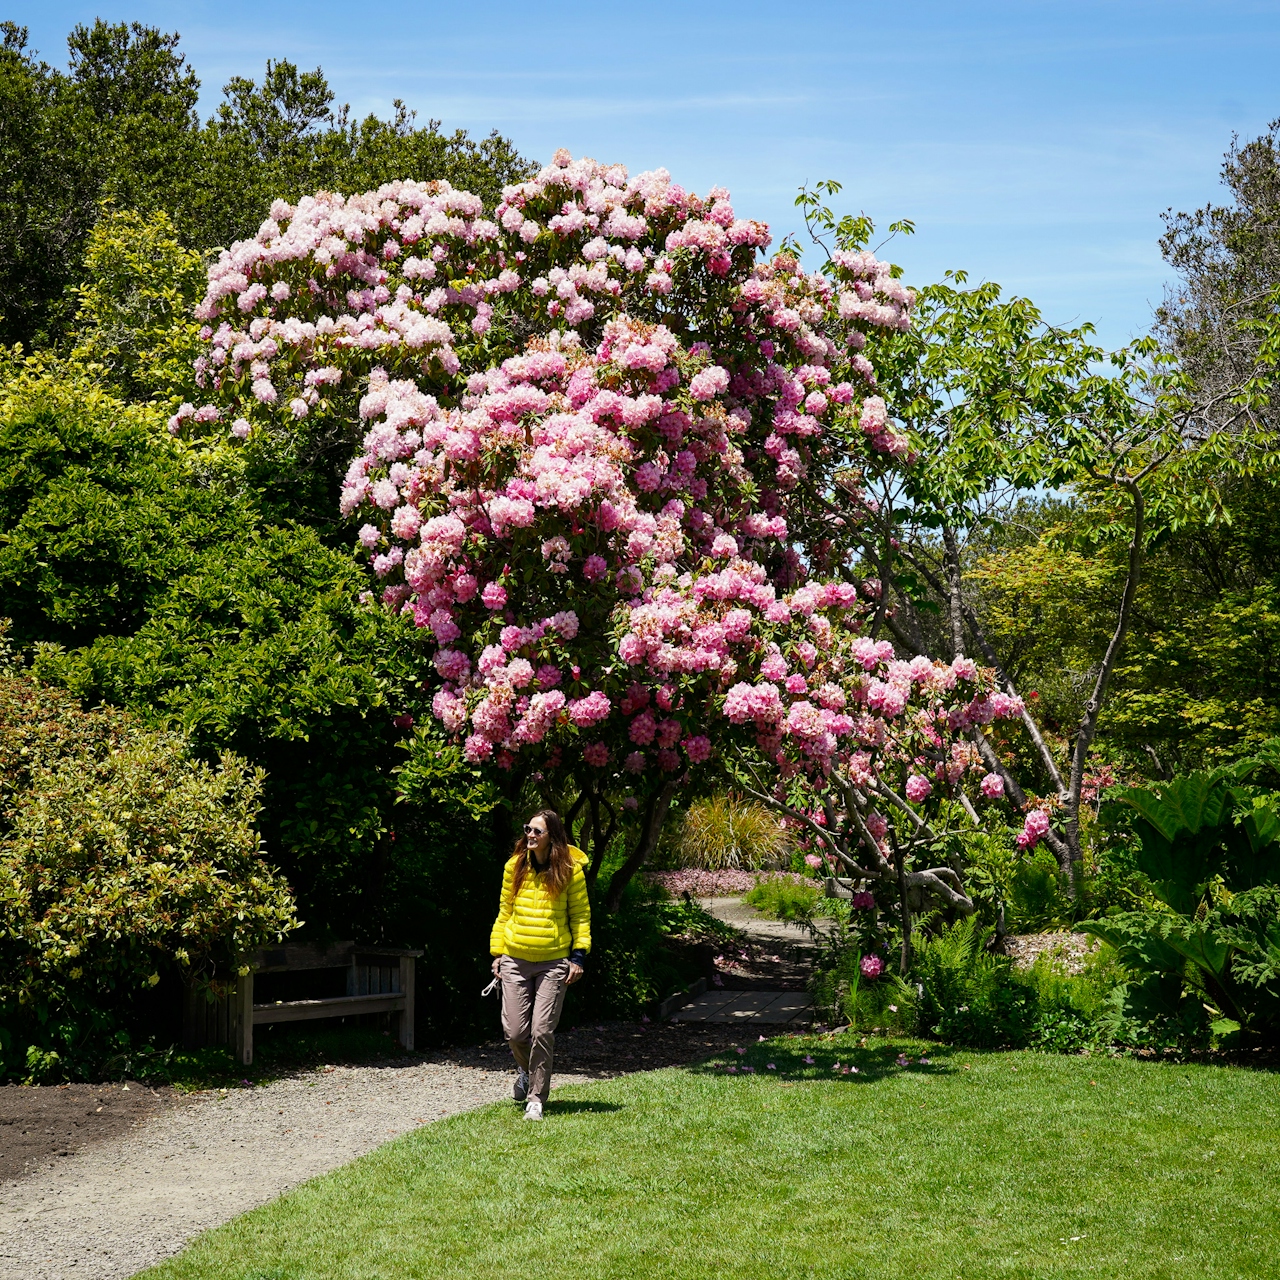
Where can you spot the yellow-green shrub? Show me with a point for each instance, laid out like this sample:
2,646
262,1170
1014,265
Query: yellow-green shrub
122,858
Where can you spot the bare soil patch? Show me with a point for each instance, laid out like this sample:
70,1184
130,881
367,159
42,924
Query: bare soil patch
40,1124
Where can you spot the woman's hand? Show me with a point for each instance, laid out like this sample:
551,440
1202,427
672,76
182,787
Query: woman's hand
496,966
575,972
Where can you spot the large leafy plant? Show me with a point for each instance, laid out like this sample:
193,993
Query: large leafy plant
1209,845
122,860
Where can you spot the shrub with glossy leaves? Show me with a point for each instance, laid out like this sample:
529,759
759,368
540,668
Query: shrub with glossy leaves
98,513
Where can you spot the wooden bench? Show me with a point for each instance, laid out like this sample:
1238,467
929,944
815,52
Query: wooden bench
379,980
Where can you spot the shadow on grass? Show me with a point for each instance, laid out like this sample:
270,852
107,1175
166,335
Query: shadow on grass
568,1106
848,1059
858,1059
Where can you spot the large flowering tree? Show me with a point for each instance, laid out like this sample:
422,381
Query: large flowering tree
605,454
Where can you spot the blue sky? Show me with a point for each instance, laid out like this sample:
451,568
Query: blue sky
1032,143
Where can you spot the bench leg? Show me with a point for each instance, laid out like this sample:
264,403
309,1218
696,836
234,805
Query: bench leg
406,987
244,1020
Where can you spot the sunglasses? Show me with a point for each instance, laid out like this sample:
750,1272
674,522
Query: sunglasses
534,831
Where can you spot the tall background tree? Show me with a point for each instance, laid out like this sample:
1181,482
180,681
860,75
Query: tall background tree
119,127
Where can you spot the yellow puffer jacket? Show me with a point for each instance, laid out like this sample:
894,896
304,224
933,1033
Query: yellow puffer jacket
535,926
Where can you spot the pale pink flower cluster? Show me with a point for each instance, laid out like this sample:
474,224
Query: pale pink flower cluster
992,786
591,528
407,277
918,788
1034,827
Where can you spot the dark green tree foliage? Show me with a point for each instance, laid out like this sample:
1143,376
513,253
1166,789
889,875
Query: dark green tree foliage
256,643
261,648
120,125
145,588
97,516
47,190
1202,680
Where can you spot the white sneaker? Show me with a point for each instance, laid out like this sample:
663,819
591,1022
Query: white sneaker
533,1109
521,1090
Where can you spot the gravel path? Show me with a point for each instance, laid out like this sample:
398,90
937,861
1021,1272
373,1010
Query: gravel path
760,928
123,1204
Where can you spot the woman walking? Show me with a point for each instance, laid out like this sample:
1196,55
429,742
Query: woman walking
539,943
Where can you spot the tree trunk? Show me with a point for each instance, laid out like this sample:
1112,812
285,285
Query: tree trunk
1088,729
904,959
955,601
651,829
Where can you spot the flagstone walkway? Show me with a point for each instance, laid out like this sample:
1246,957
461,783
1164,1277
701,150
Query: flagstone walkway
758,1004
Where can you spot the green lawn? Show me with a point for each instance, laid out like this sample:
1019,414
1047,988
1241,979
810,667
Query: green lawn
1001,1164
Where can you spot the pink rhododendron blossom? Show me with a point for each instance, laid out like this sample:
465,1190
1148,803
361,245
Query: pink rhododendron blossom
519,673
642,729
566,623
1034,827
992,786
589,710
872,966
918,788
774,667
452,664
709,383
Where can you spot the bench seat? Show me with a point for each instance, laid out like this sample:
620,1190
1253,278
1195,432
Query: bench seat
332,1007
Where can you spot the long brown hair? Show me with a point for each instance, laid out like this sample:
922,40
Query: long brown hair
559,860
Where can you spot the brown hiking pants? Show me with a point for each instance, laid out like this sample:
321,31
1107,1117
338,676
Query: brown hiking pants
532,997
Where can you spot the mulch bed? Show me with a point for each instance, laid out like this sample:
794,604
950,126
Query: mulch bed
616,1048
1069,950
43,1122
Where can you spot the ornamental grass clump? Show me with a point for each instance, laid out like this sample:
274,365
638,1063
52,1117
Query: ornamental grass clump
724,832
